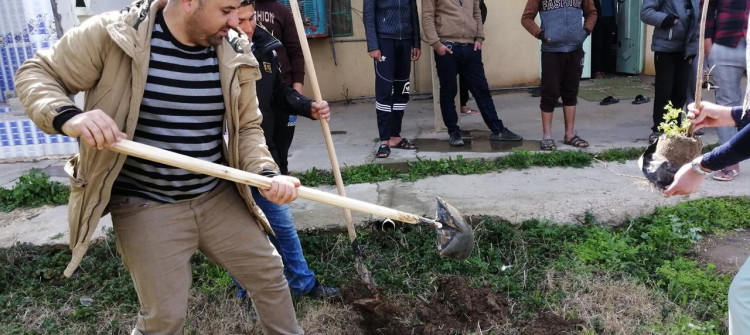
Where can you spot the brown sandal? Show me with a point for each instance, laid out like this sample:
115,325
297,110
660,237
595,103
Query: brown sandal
577,142
405,144
547,144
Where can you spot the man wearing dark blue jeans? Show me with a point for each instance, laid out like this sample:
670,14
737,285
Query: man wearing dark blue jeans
277,98
457,40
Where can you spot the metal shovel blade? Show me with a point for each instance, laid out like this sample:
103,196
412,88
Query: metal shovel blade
455,238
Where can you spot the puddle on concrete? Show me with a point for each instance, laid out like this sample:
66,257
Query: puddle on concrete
475,141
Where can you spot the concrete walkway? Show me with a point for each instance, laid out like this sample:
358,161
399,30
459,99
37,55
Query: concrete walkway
611,192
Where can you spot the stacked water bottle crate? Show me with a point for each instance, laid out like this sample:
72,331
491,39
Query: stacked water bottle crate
25,27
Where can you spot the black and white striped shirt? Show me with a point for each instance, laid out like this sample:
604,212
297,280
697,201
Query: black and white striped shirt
182,111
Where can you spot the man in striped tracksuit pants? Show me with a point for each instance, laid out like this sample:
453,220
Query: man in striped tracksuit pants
392,30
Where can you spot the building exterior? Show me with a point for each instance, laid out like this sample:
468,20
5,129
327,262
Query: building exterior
511,56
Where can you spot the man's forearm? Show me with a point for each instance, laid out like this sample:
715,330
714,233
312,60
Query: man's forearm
732,152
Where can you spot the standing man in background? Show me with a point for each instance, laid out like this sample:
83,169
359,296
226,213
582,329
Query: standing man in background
562,34
726,24
392,30
278,20
454,30
675,44
463,88
604,39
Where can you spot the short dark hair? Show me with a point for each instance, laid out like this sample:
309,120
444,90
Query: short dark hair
247,3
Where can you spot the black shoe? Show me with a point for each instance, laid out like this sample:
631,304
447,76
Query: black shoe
321,291
505,135
653,137
536,92
456,140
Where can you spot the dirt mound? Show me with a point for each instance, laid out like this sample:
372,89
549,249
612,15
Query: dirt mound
452,307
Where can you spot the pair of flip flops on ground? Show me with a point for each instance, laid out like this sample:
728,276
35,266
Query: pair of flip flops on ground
639,99
549,144
384,151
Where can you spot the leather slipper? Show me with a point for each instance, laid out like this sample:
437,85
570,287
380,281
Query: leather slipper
405,144
383,151
639,99
609,100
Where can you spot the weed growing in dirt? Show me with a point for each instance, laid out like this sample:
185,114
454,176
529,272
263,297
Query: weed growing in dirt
33,189
368,173
698,289
36,299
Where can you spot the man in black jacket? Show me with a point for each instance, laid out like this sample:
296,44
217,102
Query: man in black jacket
277,98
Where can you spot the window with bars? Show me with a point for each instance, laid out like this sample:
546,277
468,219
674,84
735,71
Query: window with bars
336,22
341,18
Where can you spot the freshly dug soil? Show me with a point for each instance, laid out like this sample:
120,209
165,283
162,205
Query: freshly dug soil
453,307
679,150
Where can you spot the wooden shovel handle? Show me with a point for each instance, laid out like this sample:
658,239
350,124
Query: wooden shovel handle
225,172
313,79
699,61
700,56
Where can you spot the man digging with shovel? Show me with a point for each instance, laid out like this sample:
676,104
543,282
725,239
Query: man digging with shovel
164,73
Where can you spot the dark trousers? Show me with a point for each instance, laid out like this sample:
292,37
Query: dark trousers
464,60
282,138
604,45
463,90
671,80
392,86
561,75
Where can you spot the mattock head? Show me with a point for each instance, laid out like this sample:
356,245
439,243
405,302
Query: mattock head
455,237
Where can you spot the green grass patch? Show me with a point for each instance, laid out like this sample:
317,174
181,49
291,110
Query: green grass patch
656,251
424,168
33,189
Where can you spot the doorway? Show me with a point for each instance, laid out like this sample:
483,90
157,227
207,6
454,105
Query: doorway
617,40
